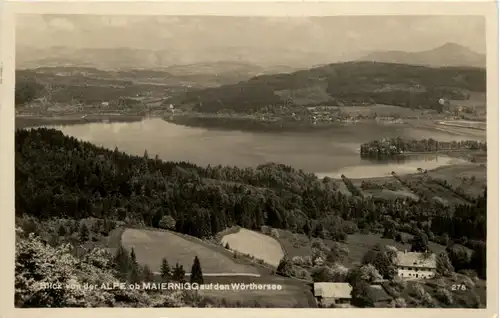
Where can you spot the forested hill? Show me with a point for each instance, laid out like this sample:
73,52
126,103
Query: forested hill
351,83
59,176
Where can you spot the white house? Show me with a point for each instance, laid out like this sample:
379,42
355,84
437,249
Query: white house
414,265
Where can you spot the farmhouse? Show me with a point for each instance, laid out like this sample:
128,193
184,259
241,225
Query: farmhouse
414,265
328,294
379,296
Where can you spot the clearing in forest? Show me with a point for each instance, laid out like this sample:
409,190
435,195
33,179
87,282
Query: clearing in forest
258,245
151,246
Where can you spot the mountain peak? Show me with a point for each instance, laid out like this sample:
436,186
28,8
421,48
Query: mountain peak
448,54
450,46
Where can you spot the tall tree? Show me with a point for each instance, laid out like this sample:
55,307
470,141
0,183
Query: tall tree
122,263
61,231
84,233
443,264
165,269
135,275
381,261
147,274
285,267
420,243
360,295
196,273
178,273
478,260
133,258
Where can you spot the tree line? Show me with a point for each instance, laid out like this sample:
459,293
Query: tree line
396,146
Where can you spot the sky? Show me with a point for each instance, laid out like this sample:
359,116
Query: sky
325,38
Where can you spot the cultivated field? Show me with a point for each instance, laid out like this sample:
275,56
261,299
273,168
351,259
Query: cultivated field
383,111
469,178
258,245
151,246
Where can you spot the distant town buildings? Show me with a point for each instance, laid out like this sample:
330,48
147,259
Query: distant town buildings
414,265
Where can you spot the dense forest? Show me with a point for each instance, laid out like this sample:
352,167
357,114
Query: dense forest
61,177
396,146
344,84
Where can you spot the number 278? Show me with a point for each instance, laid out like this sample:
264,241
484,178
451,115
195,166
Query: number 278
457,287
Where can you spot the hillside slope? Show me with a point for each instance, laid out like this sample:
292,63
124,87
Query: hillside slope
449,54
344,84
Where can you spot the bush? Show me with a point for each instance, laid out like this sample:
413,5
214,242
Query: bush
398,303
297,260
467,281
303,274
398,284
350,227
285,267
317,254
417,291
308,260
444,295
167,222
38,264
443,265
320,245
324,274
369,273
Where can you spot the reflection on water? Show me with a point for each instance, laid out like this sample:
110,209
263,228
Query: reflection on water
336,152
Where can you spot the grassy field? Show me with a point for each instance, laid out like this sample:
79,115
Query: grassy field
468,177
358,244
382,110
384,187
258,245
293,293
151,246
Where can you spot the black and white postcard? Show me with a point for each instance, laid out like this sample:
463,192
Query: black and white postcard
318,156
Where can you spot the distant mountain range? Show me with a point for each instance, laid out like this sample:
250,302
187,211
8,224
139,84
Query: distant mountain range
123,58
243,65
449,54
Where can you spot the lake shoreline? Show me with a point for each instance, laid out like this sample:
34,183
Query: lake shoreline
76,120
28,121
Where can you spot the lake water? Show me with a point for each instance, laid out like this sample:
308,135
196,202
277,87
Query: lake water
333,153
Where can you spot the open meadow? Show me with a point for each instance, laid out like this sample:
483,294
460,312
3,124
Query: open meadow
383,111
258,245
151,246
466,178
358,245
293,293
